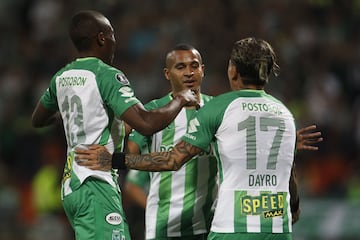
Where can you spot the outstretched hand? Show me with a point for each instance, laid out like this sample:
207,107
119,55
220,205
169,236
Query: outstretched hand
96,157
306,138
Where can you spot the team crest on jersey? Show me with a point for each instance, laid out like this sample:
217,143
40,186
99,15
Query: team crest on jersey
122,79
116,235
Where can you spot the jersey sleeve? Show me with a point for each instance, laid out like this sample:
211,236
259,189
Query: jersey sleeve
202,127
139,178
116,91
48,99
143,142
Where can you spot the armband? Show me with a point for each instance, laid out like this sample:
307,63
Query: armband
118,160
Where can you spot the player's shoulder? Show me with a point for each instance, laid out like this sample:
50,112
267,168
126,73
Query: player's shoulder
220,102
112,72
222,98
206,98
246,93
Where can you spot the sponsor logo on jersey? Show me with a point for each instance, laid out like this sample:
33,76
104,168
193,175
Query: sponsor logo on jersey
193,124
271,205
190,136
126,92
113,218
69,81
261,107
122,79
274,213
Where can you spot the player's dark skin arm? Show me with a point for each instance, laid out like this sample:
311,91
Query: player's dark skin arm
43,117
294,196
149,122
145,122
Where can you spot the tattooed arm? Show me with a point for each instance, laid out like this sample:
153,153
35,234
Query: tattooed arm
98,158
163,161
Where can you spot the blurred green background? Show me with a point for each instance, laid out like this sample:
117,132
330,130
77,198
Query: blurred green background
318,46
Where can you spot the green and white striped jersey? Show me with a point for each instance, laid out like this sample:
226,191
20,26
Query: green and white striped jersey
254,143
90,95
179,203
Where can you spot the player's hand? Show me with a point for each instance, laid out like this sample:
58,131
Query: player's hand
306,138
189,98
96,157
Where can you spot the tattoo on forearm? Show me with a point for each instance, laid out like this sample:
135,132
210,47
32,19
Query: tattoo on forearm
162,161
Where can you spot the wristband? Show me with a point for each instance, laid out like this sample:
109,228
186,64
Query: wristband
118,160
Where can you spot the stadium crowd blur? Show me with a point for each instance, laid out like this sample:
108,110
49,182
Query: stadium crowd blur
318,46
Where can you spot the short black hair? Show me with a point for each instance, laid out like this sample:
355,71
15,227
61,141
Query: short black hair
84,26
255,60
184,47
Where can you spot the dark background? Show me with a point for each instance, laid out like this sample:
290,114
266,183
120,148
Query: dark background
318,47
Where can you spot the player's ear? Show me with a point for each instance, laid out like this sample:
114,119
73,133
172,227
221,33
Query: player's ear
166,73
232,72
100,38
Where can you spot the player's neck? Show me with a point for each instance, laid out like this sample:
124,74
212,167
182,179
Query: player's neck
251,87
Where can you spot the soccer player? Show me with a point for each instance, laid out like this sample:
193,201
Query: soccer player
180,202
93,98
255,139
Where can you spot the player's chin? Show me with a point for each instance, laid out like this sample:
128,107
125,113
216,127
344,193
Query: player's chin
193,88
